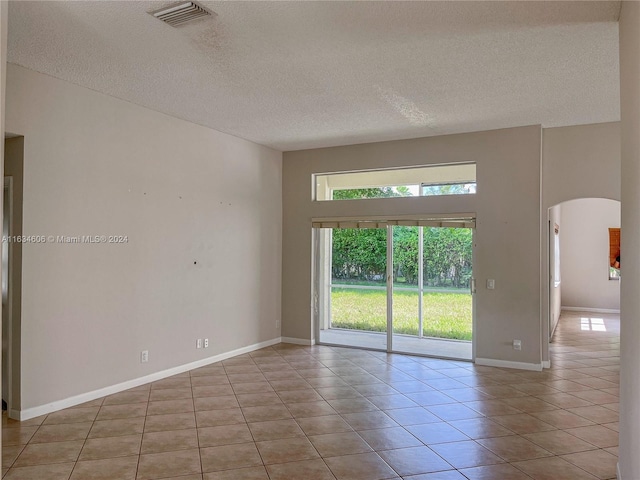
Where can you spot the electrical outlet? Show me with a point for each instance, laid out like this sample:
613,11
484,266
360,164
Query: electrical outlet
206,343
277,323
199,343
517,345
144,356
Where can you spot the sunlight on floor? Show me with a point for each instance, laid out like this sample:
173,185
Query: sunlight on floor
593,324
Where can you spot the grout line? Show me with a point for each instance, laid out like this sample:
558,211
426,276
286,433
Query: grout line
144,423
195,420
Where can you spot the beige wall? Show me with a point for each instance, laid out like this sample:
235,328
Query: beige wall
202,212
629,460
582,161
507,246
585,254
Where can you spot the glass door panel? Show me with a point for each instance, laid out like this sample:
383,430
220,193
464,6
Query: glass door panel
352,287
406,287
399,288
437,321
448,257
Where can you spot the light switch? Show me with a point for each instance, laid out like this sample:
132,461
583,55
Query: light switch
491,283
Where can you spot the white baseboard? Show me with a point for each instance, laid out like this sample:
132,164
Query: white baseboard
546,364
33,412
618,474
296,341
590,310
490,362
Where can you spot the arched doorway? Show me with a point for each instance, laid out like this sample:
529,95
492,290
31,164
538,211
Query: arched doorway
581,273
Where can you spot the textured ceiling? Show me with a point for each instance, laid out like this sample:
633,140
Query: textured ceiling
294,75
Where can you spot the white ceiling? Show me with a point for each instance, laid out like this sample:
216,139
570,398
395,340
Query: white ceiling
295,75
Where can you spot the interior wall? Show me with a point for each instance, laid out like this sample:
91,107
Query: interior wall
202,214
507,241
629,460
555,286
581,161
585,254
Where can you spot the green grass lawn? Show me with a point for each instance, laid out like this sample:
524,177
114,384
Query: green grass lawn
445,315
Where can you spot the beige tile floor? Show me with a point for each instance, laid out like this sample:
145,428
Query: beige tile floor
313,413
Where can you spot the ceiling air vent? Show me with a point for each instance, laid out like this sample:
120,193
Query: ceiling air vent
179,13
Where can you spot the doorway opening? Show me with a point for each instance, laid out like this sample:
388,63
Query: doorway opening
6,300
12,273
584,261
396,286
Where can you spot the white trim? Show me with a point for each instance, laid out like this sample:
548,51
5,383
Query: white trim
591,310
618,474
296,341
490,362
546,364
136,382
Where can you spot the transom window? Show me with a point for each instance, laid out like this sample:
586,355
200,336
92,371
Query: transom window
431,180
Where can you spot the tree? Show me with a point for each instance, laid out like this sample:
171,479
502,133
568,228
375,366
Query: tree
374,192
405,254
449,189
448,256
359,254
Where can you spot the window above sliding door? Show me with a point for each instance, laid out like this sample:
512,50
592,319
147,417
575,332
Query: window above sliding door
432,180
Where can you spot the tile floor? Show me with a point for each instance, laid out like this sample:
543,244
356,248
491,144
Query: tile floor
313,413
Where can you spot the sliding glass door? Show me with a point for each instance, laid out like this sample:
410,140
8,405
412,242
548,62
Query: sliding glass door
396,288
406,293
353,287
432,308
